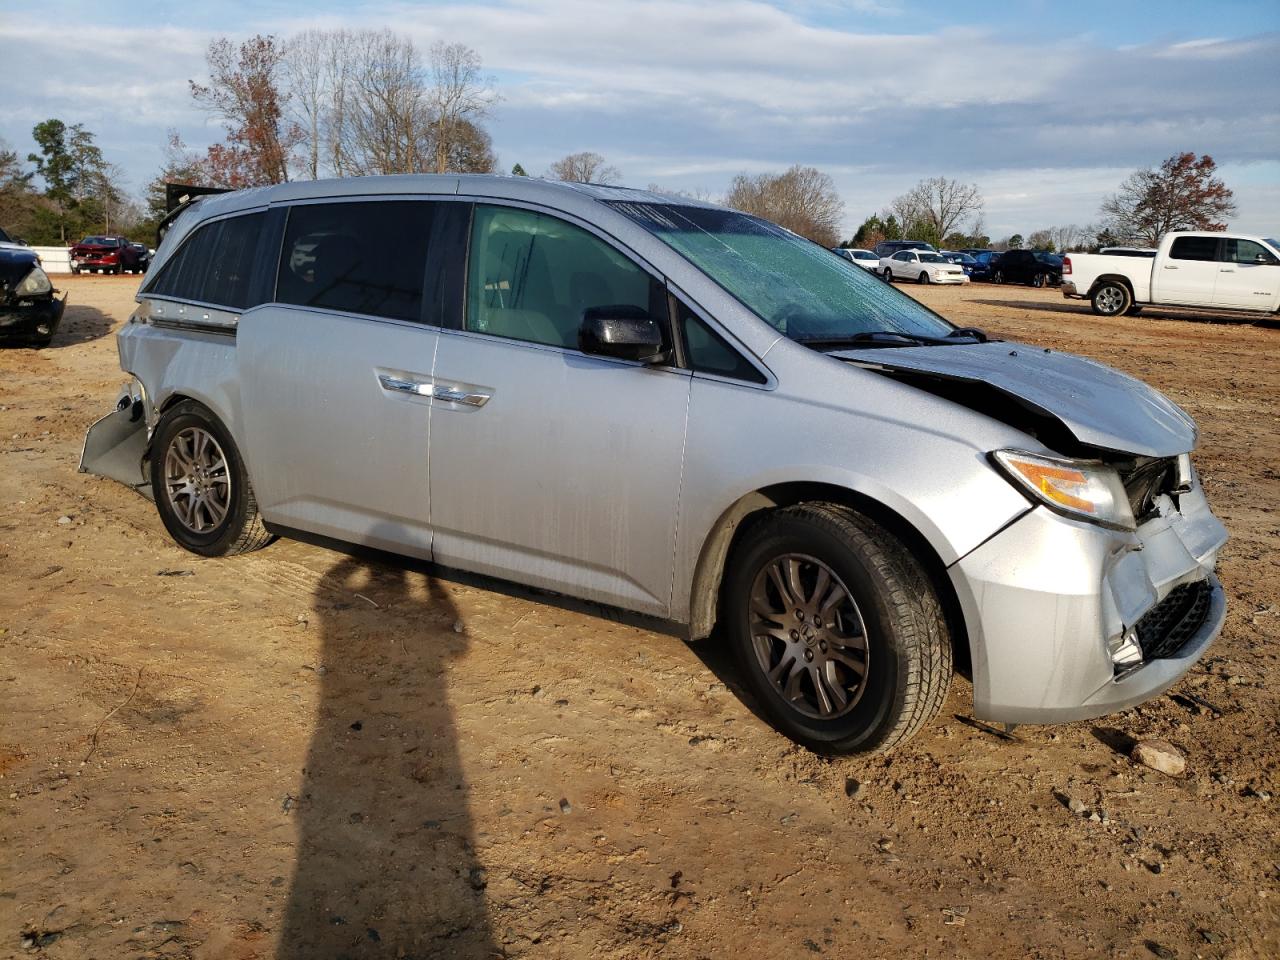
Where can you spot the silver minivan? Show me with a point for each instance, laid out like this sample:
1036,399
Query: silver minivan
681,410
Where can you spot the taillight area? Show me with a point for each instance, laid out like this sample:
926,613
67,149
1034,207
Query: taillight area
1066,266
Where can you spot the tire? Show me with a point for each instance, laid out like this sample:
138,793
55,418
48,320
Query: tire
998,277
75,271
924,277
1110,298
207,519
887,275
878,589
1038,280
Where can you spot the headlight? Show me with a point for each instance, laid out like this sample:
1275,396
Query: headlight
1083,489
33,284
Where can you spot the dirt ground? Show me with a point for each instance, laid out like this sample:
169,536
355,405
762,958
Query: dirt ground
303,754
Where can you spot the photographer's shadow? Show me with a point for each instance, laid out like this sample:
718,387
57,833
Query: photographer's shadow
385,865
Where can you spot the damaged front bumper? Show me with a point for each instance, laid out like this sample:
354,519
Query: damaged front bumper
116,446
1069,621
33,320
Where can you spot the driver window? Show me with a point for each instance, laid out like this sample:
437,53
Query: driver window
1245,251
531,276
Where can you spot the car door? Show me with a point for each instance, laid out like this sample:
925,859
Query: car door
1189,273
903,261
549,466
1248,275
335,373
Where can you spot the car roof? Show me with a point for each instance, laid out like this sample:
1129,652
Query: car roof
535,189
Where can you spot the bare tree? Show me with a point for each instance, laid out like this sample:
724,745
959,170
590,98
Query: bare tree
1182,194
386,117
459,94
803,199
933,208
584,167
244,92
308,58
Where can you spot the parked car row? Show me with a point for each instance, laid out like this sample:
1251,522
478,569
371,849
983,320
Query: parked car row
107,254
915,260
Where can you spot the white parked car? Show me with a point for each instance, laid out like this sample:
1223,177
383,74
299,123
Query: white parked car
1210,270
922,266
863,258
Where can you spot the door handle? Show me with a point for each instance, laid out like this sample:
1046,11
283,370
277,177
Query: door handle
1170,266
404,385
1227,270
449,395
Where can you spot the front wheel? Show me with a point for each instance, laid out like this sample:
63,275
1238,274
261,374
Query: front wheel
888,275
1038,280
923,278
837,629
998,276
1110,299
200,485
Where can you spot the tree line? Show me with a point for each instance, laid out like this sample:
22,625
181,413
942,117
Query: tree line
366,102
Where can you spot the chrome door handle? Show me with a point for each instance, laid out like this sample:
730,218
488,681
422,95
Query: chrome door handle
1227,270
402,385
1170,266
450,395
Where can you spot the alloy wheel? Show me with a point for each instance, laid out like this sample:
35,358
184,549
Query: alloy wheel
809,636
1110,300
197,480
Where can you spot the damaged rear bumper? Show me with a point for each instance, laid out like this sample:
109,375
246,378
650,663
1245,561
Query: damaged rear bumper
116,446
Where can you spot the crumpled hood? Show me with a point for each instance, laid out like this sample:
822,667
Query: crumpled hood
1099,406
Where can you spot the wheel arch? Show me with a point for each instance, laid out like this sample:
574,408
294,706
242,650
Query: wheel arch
1110,278
704,600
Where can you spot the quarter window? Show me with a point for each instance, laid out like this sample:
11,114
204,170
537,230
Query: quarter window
1194,248
708,352
531,276
365,257
215,264
1245,251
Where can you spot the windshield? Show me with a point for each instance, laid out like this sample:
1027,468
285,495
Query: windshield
1274,244
795,286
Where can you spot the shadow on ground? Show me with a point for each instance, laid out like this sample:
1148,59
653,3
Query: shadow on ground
386,865
79,324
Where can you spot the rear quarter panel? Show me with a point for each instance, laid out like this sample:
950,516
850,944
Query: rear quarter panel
1088,268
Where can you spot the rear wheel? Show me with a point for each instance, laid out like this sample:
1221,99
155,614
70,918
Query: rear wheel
200,485
1111,298
837,629
998,276
1038,280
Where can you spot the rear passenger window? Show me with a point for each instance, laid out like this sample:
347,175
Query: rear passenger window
366,257
215,264
531,277
1194,248
709,353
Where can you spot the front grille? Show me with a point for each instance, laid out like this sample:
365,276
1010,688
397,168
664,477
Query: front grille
1173,621
1146,481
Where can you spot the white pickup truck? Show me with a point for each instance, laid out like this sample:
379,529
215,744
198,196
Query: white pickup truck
1217,271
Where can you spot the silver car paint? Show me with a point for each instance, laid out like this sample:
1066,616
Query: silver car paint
1040,594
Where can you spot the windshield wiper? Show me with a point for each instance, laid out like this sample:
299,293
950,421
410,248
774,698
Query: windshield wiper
895,338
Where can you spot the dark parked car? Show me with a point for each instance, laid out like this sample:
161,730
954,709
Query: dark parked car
887,248
144,256
1027,266
982,261
105,255
961,259
29,311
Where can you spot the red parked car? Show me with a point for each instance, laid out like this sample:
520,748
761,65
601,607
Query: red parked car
105,255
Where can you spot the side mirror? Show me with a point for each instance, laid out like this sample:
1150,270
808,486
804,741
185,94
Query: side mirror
622,331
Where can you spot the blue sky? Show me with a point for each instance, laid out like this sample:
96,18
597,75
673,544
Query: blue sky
1045,105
